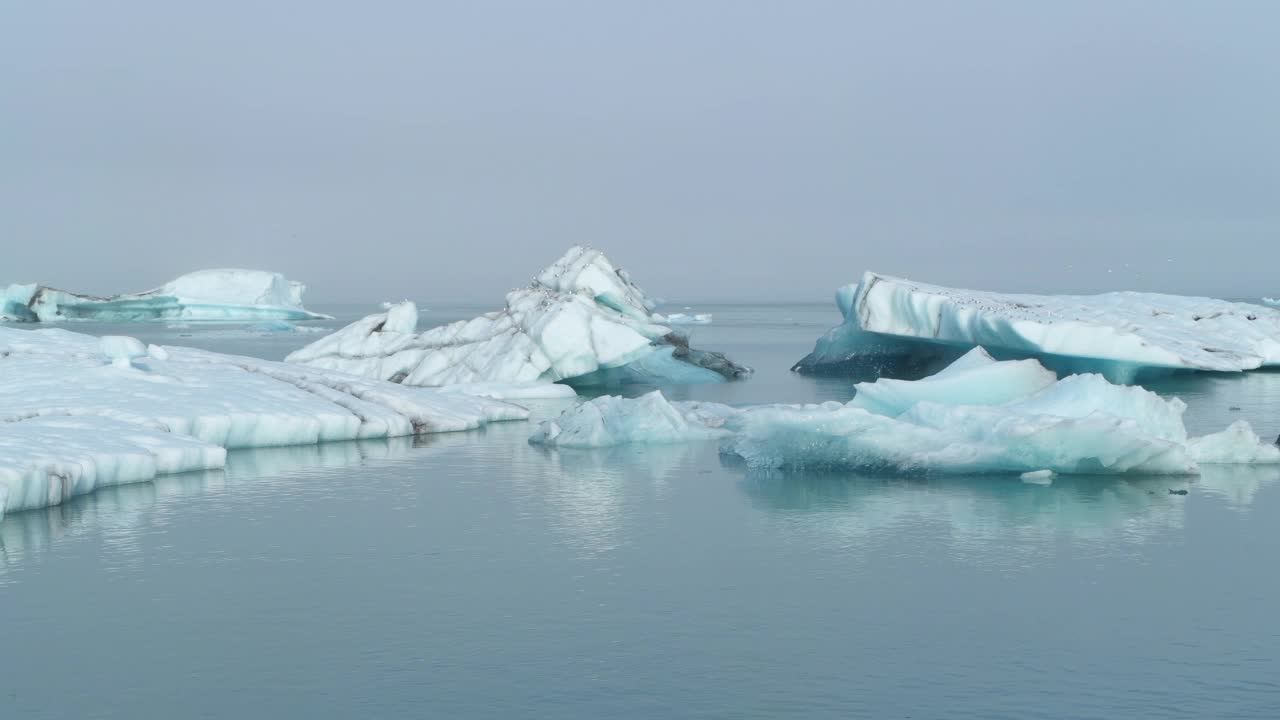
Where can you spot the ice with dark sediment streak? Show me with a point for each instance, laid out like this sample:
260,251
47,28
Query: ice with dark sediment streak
901,326
79,412
979,415
582,321
224,294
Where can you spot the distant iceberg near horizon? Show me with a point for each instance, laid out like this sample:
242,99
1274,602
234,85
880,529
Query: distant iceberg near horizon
582,321
684,318
222,294
892,325
977,416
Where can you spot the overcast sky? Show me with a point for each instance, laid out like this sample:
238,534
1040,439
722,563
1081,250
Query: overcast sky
718,150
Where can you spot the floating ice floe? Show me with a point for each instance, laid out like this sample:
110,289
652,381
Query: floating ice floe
609,420
1271,301
1038,477
203,295
899,326
979,415
684,318
79,412
582,321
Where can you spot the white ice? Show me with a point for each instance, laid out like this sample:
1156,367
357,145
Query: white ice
1038,477
225,294
122,350
1119,334
47,460
1237,444
116,391
582,320
1009,417
610,420
512,391
974,379
684,318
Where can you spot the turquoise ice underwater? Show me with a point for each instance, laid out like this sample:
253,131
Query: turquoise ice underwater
475,575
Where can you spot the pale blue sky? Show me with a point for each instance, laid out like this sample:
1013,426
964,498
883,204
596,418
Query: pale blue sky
719,150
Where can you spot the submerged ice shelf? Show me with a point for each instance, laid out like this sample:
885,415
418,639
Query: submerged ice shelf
979,415
204,295
79,412
582,321
898,325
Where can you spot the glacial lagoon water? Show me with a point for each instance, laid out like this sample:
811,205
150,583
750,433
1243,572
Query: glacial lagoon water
472,575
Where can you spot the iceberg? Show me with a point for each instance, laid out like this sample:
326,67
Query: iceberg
205,295
582,321
684,318
48,460
980,415
896,326
974,379
609,420
1038,477
1237,444
79,412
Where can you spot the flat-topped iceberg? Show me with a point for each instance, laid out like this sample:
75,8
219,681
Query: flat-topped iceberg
79,412
581,321
203,295
899,326
979,415
684,318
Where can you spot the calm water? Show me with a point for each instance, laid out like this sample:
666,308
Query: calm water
472,575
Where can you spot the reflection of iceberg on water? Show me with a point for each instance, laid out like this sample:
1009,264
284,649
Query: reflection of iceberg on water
588,489
978,415
1021,519
1237,484
277,461
127,509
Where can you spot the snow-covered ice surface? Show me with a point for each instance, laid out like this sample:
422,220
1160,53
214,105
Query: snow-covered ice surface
78,412
1122,335
225,294
582,321
979,415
